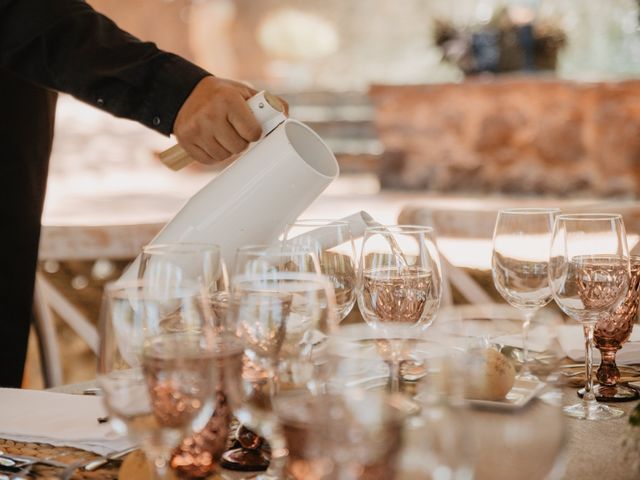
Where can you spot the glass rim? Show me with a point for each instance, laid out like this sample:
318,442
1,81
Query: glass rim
399,229
274,249
281,275
528,211
320,222
125,287
589,216
178,246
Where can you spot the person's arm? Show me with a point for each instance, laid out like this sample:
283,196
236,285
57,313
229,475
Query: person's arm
67,46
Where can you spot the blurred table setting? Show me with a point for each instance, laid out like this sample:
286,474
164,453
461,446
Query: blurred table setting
196,343
247,340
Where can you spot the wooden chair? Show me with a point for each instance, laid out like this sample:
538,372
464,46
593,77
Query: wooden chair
73,243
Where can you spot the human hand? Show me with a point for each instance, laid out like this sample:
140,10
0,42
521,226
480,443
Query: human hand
215,121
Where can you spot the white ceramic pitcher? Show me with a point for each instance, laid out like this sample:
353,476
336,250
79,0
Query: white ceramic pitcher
252,200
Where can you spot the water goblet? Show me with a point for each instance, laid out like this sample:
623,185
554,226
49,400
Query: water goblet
497,417
332,242
399,284
266,259
263,260
589,274
168,265
520,261
284,320
156,365
609,335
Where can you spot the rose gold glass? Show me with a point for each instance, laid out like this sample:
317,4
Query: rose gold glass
610,334
589,277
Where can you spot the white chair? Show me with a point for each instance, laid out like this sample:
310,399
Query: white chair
73,243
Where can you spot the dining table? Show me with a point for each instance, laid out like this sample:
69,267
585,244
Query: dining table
590,450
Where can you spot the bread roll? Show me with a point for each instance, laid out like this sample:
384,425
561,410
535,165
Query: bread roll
491,375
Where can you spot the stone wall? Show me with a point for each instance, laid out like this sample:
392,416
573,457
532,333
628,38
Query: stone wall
511,135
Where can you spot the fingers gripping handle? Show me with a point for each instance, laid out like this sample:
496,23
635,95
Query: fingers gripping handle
268,110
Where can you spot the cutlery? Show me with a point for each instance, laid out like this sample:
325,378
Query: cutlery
68,472
23,459
91,466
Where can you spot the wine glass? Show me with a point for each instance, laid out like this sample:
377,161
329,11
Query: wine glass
156,365
589,274
610,334
399,283
167,265
519,420
438,437
520,262
332,242
279,257
284,320
351,436
259,260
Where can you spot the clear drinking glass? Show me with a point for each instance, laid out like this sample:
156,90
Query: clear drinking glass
284,320
165,267
399,284
438,437
520,262
169,265
515,416
266,259
589,274
341,435
332,242
156,365
261,260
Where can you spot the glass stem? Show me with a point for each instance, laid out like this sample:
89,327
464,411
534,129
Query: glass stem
526,324
159,467
589,398
394,366
272,431
273,378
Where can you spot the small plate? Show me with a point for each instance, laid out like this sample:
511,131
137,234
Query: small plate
521,394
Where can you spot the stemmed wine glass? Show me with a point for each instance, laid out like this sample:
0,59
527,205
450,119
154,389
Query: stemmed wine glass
520,262
610,334
399,284
168,265
589,275
279,257
284,320
261,261
156,365
332,242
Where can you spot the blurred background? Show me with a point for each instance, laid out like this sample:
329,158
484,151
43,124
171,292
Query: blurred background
439,111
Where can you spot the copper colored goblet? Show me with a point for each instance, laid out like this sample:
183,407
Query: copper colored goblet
198,456
610,334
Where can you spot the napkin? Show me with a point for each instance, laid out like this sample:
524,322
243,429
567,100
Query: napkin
537,339
58,419
571,338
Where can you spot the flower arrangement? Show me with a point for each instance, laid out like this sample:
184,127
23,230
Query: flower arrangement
511,41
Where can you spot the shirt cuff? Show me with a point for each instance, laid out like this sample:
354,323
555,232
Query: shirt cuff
174,80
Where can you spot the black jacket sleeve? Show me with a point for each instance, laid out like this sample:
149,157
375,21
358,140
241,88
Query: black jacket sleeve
66,45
